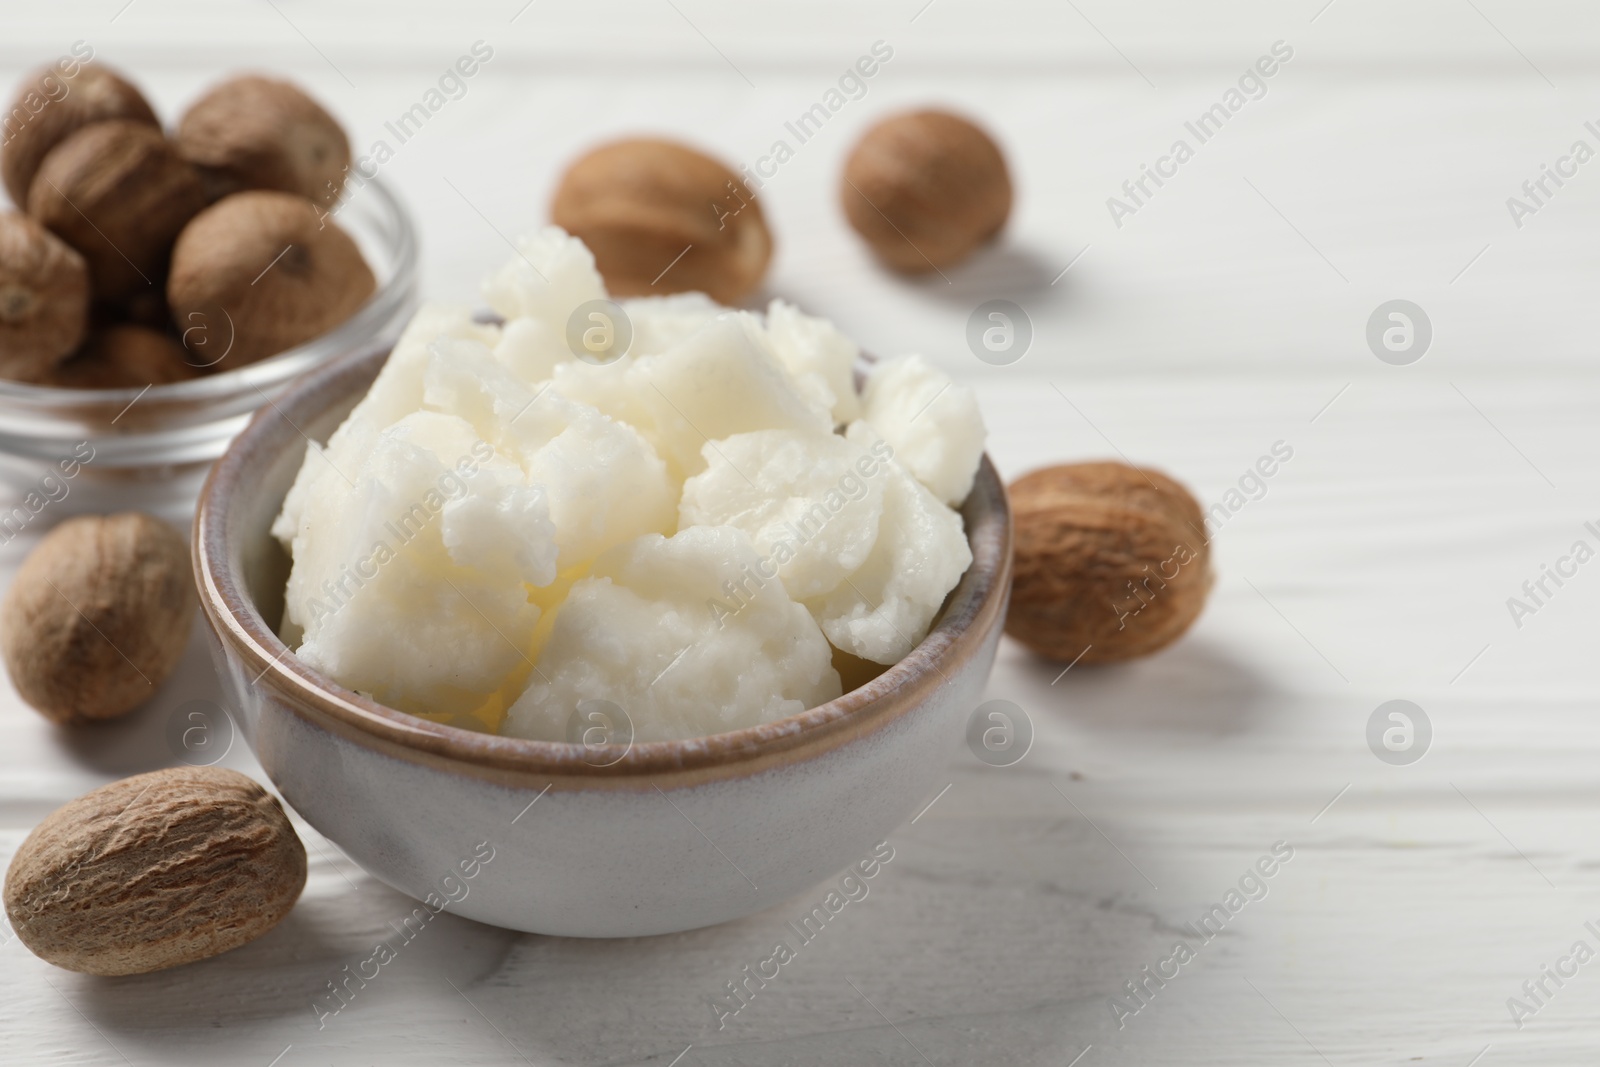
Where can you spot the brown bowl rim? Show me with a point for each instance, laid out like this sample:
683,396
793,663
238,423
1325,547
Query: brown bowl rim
972,610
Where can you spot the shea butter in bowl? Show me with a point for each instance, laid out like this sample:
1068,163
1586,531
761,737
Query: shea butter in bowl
363,647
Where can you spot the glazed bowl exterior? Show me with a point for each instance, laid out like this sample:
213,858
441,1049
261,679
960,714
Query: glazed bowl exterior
539,836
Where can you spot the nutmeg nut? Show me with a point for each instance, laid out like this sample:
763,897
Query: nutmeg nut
1111,562
125,356
925,189
97,616
44,299
251,132
663,218
259,272
119,193
155,871
55,102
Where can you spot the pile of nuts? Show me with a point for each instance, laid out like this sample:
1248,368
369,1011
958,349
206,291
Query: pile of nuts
142,259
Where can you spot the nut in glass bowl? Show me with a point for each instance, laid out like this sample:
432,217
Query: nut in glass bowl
149,446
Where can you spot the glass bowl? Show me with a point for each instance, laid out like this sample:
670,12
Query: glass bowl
106,449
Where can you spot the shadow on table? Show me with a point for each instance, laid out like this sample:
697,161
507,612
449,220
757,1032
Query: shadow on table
316,975
1195,686
1002,271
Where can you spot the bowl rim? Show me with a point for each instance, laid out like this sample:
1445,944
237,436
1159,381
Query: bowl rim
972,611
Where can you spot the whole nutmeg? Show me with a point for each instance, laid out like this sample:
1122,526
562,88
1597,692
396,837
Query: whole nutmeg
925,189
97,616
44,298
662,218
260,272
56,101
251,132
125,356
119,193
1112,562
154,871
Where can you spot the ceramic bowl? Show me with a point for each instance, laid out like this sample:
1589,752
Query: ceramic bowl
542,836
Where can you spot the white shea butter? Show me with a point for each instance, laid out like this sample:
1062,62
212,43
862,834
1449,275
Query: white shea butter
410,580
550,276
396,393
500,531
820,358
537,293
810,501
603,482
659,322
888,603
639,633
934,425
720,381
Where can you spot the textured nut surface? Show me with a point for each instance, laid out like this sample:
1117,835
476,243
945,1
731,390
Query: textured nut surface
119,193
125,356
925,189
97,616
155,870
44,298
252,132
260,272
638,204
1109,558
56,106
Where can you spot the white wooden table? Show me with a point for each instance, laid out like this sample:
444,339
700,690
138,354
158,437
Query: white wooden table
1226,315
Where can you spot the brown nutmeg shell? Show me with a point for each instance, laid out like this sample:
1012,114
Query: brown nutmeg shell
97,616
251,132
44,299
118,193
661,217
259,272
125,356
154,871
926,189
55,102
1111,562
